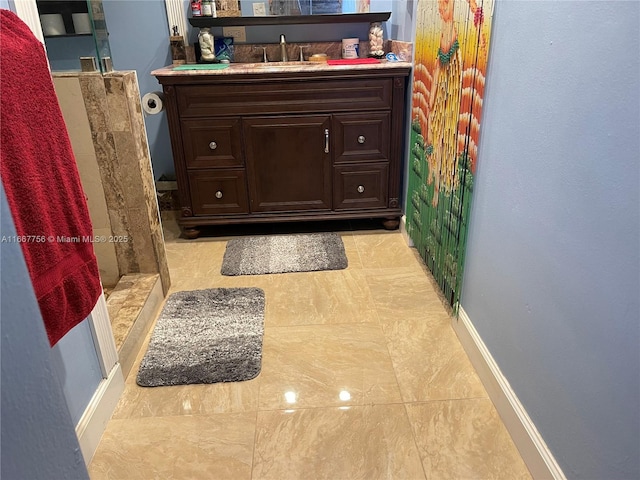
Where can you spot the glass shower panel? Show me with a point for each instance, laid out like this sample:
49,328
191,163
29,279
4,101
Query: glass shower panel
100,34
74,29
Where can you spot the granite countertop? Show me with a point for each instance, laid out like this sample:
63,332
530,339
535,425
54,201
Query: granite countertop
279,67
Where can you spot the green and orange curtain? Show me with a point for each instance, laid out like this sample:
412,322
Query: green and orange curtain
451,50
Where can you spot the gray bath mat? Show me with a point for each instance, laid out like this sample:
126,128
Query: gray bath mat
284,253
206,336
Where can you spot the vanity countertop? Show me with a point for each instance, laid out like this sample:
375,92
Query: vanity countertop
280,67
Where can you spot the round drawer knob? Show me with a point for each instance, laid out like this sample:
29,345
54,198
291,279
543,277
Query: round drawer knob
360,188
218,194
213,145
361,139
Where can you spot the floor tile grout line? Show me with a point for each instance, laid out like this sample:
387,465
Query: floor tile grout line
358,251
326,407
255,440
393,367
332,324
442,400
415,441
259,410
404,404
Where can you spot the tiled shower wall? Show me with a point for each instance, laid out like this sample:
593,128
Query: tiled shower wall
119,158
75,116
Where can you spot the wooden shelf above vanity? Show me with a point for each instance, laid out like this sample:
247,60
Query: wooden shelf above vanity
289,20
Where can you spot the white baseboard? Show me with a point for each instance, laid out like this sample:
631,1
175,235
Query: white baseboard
403,230
97,414
102,333
525,435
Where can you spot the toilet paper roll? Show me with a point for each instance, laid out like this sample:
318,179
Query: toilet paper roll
81,22
153,102
52,24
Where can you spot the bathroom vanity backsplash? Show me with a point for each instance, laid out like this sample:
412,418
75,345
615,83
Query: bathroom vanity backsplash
403,50
250,53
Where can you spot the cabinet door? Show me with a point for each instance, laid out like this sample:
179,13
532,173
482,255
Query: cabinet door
288,162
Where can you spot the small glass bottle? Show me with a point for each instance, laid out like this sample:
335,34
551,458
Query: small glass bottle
208,8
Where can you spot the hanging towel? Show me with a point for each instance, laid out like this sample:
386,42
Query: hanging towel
42,184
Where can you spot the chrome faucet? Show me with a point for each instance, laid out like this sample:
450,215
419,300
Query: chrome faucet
264,52
283,48
301,52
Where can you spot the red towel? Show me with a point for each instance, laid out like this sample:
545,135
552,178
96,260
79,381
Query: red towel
42,184
353,61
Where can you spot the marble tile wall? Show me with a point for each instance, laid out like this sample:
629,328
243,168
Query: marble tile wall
75,116
150,212
114,114
404,50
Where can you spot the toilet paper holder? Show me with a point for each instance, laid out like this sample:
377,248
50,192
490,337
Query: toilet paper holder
153,103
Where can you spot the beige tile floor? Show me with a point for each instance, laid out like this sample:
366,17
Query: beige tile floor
383,388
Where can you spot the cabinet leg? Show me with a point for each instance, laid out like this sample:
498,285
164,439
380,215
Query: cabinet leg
190,233
391,223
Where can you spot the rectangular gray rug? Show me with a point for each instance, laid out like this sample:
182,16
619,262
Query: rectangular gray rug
258,255
206,336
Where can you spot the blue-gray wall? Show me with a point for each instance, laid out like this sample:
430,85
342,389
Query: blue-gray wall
64,52
403,20
553,256
139,40
38,439
76,363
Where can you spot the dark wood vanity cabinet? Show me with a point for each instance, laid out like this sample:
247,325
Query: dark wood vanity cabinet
287,146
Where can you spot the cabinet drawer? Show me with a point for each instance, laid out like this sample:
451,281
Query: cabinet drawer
212,142
361,137
360,186
318,96
215,192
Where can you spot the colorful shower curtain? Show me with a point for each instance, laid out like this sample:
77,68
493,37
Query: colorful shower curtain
451,45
